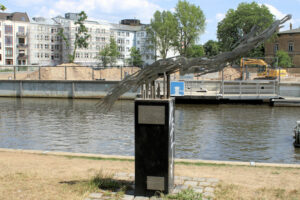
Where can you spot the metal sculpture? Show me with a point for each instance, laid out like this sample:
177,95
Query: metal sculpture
185,65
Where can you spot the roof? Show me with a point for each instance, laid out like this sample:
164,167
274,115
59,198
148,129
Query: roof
42,20
15,16
290,31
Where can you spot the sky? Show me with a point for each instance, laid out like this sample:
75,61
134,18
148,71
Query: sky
116,10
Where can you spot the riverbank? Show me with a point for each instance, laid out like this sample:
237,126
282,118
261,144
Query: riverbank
46,175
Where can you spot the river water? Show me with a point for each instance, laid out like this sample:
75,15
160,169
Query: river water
214,132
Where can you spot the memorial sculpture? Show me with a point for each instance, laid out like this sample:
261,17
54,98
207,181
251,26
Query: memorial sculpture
155,113
185,65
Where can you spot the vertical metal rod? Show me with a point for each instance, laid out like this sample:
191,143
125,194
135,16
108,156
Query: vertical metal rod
21,89
158,90
39,72
15,73
147,90
144,91
65,72
164,87
73,90
278,87
153,89
168,86
93,74
223,82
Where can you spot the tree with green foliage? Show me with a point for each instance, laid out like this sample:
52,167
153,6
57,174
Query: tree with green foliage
81,36
191,23
162,32
109,54
2,7
211,48
195,51
237,23
136,57
284,60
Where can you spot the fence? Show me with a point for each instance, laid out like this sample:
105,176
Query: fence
65,72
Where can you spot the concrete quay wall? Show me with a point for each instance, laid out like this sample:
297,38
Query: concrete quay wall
58,89
98,89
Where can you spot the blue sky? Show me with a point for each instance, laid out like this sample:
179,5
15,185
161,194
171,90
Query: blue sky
115,10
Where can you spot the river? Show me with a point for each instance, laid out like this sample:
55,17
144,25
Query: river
256,133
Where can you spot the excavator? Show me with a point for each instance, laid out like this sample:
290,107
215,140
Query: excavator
264,71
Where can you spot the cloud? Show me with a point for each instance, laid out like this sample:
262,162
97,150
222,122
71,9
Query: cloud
220,16
278,14
97,9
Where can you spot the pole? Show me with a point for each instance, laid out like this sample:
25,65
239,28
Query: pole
15,73
168,86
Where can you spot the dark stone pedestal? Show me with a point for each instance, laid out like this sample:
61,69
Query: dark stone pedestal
154,146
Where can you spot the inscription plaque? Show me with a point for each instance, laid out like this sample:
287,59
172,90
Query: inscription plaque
151,115
155,183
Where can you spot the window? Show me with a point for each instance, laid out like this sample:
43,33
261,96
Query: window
77,55
127,41
56,56
8,29
41,55
46,37
41,45
127,49
46,55
21,29
57,47
8,40
0,57
97,30
291,46
127,34
9,52
86,55
0,46
276,47
46,46
98,39
102,30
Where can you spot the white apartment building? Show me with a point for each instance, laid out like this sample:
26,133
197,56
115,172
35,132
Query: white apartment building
14,38
45,45
36,41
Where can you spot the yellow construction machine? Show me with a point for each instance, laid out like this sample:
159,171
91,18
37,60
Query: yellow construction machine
264,70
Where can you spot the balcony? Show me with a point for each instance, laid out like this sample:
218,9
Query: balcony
22,46
21,34
22,56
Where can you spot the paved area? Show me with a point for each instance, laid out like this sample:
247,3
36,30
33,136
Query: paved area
204,186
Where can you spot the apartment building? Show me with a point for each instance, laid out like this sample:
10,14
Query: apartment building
288,41
45,45
14,38
37,42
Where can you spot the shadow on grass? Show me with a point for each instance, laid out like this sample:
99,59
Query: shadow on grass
101,181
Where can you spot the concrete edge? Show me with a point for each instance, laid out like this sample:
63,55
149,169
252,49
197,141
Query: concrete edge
236,163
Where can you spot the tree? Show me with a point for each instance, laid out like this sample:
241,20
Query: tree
162,32
239,22
211,48
136,57
191,23
81,36
2,7
284,60
195,51
109,54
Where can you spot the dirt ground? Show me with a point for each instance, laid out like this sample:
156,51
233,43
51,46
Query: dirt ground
35,176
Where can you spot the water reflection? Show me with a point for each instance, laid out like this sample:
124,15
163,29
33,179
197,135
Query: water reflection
217,132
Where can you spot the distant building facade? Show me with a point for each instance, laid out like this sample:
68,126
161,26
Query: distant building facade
288,41
36,41
14,29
